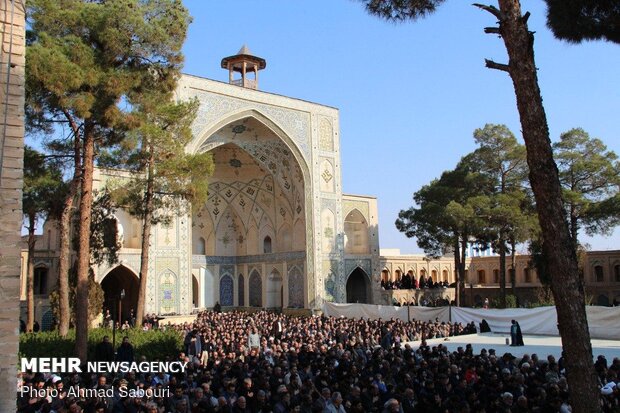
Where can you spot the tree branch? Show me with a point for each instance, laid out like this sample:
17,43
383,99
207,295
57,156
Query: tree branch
491,9
525,17
492,30
498,66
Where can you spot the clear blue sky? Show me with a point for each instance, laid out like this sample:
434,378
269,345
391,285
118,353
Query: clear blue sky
410,95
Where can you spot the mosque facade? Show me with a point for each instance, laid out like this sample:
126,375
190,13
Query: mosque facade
277,231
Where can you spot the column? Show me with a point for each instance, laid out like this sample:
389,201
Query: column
285,284
202,278
265,279
246,289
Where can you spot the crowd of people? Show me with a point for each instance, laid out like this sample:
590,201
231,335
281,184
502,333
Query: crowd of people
150,321
409,282
267,362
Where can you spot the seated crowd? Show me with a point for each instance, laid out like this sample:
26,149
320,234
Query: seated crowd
267,362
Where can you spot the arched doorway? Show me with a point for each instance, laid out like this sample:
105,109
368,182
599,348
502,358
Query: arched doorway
120,278
603,300
274,290
358,287
195,292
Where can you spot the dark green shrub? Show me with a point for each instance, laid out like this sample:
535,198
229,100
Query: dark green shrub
153,344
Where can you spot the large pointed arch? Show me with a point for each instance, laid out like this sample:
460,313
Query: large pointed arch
265,178
198,142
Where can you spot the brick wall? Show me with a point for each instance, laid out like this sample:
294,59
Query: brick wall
12,58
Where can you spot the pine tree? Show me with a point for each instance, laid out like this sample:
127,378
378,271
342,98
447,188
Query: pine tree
566,285
590,178
166,180
41,181
83,60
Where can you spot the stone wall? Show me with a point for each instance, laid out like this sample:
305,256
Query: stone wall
12,59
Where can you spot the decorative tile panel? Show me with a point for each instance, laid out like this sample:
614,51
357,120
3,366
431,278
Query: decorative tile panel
168,293
226,291
241,290
214,107
295,288
256,290
326,135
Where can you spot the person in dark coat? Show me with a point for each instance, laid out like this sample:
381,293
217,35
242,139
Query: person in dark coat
125,351
516,336
104,350
484,327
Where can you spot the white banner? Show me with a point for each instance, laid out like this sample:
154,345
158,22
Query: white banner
386,312
602,321
541,320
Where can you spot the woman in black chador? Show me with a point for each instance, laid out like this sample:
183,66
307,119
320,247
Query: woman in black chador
516,337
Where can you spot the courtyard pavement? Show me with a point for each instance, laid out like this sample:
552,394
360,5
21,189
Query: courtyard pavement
541,345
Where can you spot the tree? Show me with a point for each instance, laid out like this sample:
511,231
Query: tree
502,159
41,181
579,20
104,247
165,179
86,59
96,297
566,285
445,217
590,178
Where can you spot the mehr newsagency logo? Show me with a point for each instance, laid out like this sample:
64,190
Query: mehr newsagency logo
73,365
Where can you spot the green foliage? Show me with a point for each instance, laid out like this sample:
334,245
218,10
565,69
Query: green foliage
507,208
84,56
401,10
42,185
511,302
544,298
153,344
579,20
104,239
590,179
96,297
155,152
539,260
443,215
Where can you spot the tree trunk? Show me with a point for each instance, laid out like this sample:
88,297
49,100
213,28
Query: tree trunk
513,267
146,236
462,268
457,267
502,269
83,252
565,283
30,274
574,226
64,229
